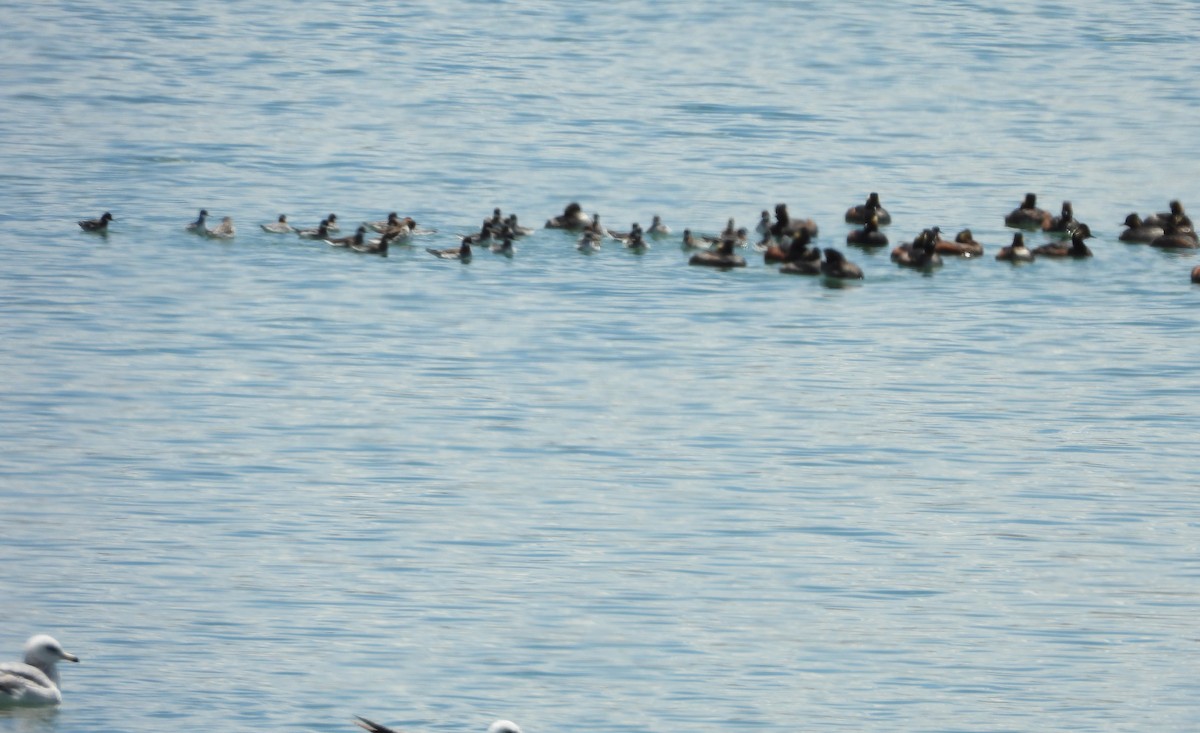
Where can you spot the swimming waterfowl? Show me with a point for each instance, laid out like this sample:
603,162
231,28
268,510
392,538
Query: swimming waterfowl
358,239
868,236
1138,231
483,236
1028,215
636,241
500,726
690,241
862,213
515,229
1196,274
34,682
401,229
633,239
461,253
1065,223
799,259
837,266
504,246
99,226
795,249
622,236
921,254
785,226
321,232
1175,216
588,242
764,223
723,257
1017,251
393,220
596,228
964,245
197,226
333,225
1176,236
279,226
371,247
224,230
657,228
572,218
1076,249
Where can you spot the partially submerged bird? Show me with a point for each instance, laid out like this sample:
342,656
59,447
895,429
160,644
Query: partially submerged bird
34,682
99,226
500,726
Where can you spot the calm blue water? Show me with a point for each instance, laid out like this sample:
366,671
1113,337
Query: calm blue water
267,485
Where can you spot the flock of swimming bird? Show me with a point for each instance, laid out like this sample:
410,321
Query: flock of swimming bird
783,240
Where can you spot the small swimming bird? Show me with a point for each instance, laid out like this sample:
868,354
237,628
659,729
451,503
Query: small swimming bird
279,226
515,229
722,257
1175,216
572,218
333,225
764,223
500,726
483,236
462,253
34,682
1017,251
964,245
800,260
862,213
1076,248
504,246
588,242
657,228
393,220
372,247
1176,237
1065,223
358,239
321,232
691,241
1027,215
636,240
1139,231
197,227
224,230
785,226
868,236
837,266
99,226
921,254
